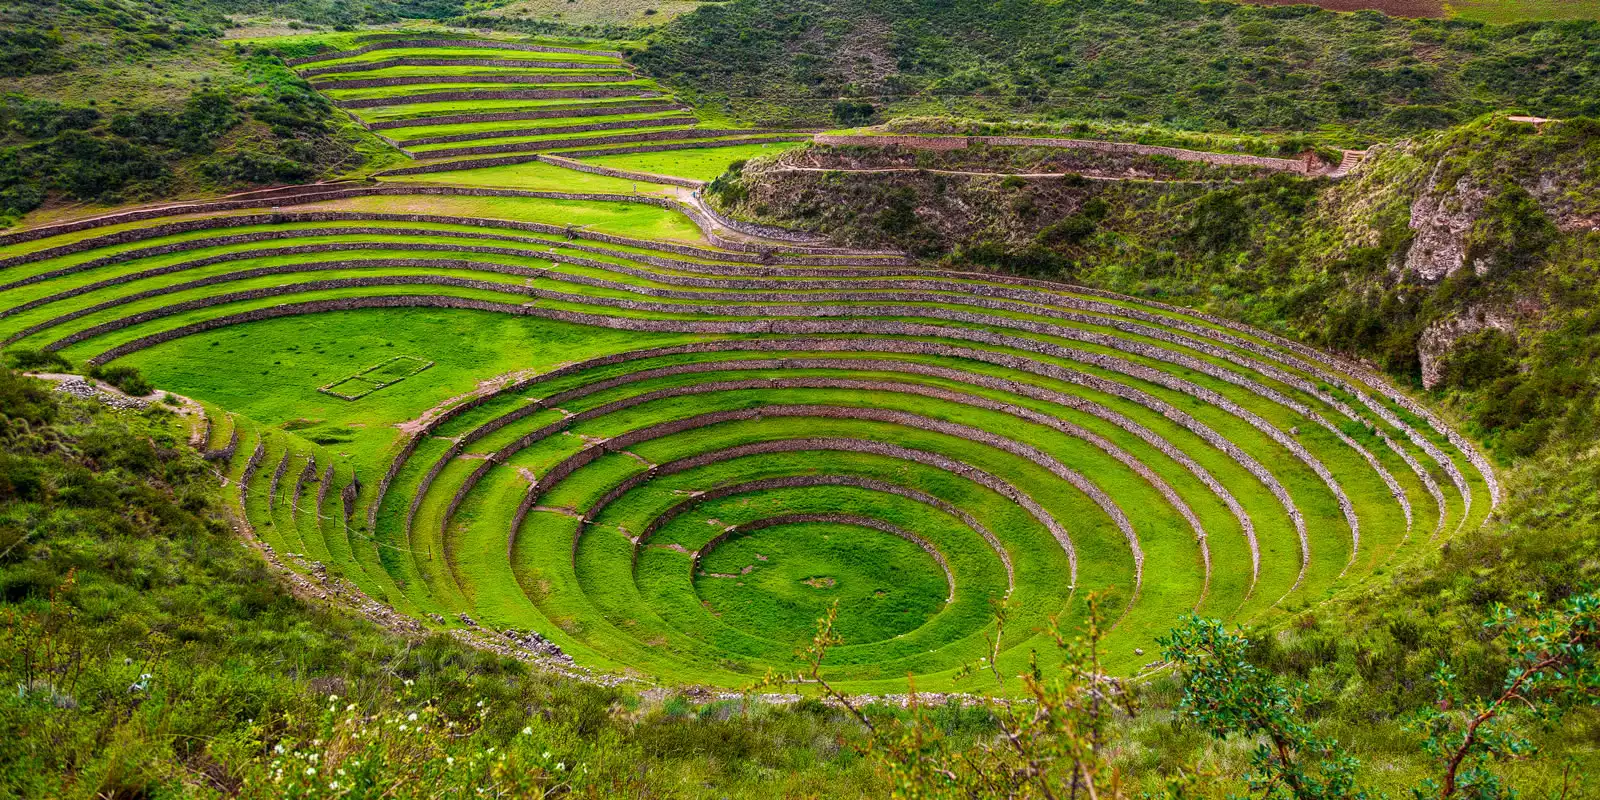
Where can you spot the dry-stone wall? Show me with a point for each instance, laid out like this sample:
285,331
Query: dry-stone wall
478,43
370,66
764,231
552,130
277,480
225,453
661,148
579,142
625,174
496,94
416,80
1300,165
546,112
250,467
370,191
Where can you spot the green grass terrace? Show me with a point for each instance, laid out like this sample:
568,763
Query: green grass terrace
667,452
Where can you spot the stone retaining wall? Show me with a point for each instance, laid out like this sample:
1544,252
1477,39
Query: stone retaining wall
1010,362
1445,461
261,236
553,130
278,291
911,142
850,445
277,479
798,482
224,453
1145,373
871,386
625,440
821,311
310,307
907,367
307,474
1300,165
625,174
475,43
466,163
348,494
288,269
764,231
621,138
495,94
548,112
423,80
322,490
370,66
661,148
250,467
694,215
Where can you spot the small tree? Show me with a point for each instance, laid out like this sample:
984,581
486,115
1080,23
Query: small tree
1051,742
1227,695
1554,668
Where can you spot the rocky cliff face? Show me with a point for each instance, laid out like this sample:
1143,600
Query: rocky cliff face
1442,217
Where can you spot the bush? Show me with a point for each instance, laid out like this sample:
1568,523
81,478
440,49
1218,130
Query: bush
207,115
127,379
1513,232
1479,358
37,360
852,113
41,119
26,52
255,167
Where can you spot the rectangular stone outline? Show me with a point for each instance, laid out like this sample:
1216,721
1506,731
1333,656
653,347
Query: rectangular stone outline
327,389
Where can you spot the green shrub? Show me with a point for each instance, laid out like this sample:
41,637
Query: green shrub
1478,358
28,52
41,119
37,360
128,379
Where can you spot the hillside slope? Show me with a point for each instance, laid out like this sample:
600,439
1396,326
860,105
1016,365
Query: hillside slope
1187,63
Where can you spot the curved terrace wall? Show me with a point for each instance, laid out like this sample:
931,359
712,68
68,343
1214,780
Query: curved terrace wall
477,43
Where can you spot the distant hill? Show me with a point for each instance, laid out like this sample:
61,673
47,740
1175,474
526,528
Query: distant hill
1187,64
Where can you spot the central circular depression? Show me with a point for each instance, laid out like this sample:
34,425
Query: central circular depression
777,580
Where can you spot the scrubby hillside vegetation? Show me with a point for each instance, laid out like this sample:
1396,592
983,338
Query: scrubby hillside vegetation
1186,63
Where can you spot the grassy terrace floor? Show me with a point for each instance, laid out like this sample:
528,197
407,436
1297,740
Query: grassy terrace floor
666,455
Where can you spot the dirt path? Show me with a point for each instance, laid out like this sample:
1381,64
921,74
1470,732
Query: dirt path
89,388
1106,178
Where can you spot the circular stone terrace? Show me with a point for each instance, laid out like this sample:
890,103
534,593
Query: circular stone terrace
666,452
